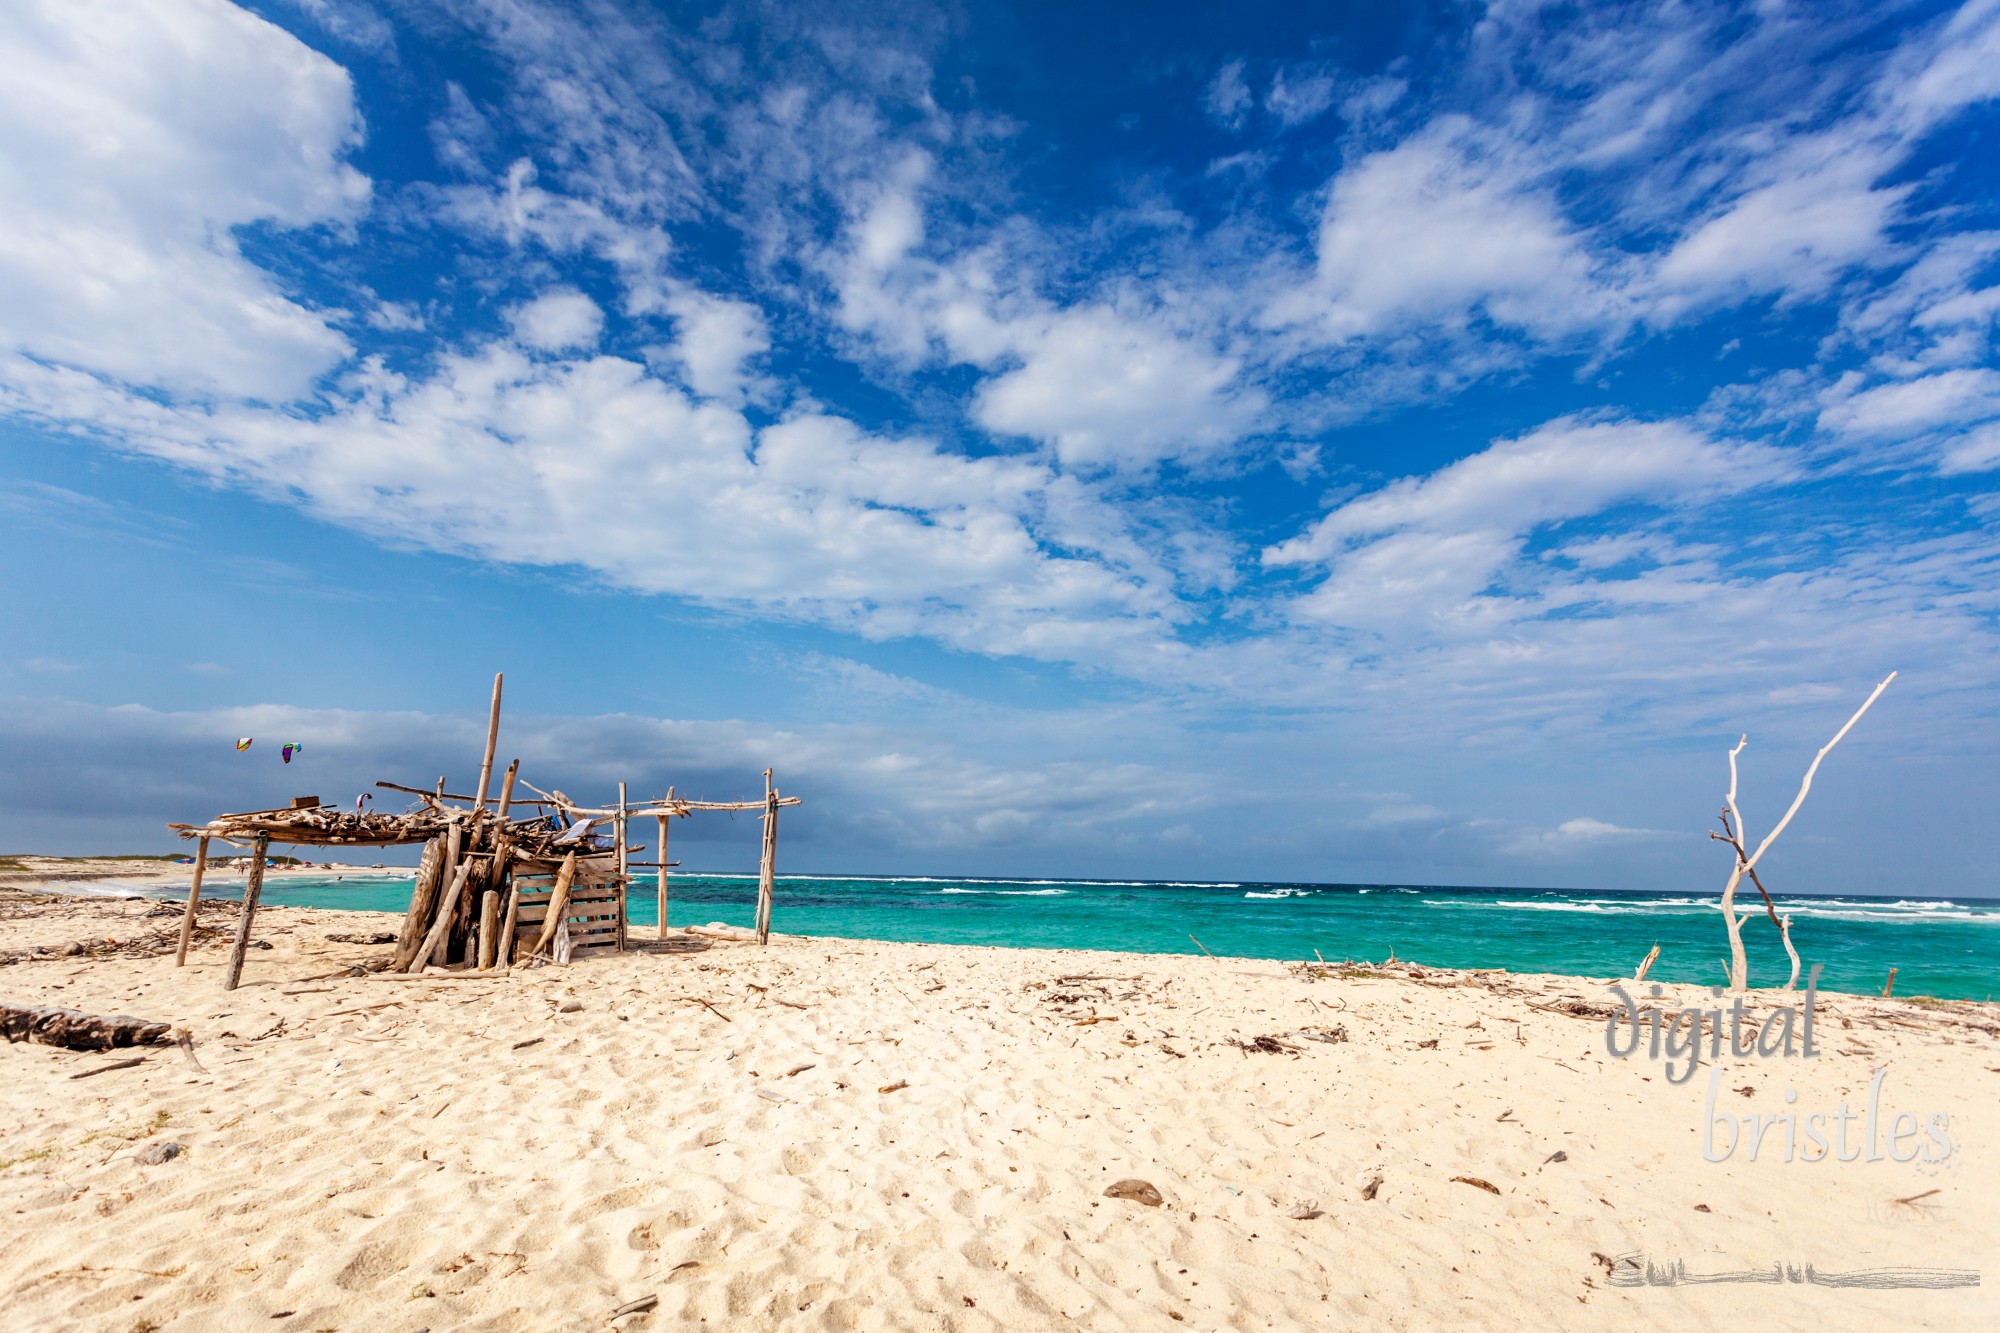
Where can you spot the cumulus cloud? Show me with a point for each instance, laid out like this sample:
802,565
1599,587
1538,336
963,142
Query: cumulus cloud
1103,387
717,339
1104,390
138,138
559,321
1441,228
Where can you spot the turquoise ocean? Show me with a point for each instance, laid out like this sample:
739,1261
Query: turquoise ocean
1948,949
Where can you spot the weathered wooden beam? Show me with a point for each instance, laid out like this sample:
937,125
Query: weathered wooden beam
489,929
194,901
492,740
432,949
767,863
423,898
660,891
259,851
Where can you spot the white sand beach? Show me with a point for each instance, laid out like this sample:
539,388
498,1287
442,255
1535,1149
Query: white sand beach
841,1134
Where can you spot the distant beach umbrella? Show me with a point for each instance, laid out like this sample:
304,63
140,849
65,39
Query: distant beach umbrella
243,743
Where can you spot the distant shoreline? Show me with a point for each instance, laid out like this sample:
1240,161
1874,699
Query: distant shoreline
27,870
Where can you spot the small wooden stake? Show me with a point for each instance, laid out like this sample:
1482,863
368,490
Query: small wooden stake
661,891
506,950
1889,991
489,928
259,849
194,900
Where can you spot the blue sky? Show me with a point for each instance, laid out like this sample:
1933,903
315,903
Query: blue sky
1331,442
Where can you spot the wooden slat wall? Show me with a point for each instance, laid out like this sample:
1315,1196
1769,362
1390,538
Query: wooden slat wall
592,913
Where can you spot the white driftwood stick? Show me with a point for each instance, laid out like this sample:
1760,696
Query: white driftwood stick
1806,785
1739,967
1739,963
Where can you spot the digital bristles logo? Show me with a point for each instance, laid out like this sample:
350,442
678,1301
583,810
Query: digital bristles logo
1785,1033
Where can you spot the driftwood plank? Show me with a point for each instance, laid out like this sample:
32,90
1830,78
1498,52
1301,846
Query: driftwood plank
75,1030
416,921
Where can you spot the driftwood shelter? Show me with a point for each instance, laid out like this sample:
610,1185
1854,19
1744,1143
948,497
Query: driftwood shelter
502,881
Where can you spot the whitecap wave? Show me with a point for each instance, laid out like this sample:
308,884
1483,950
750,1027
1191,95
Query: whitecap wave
1011,893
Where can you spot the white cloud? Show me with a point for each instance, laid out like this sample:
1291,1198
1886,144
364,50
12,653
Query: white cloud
1976,451
558,321
1442,559
593,463
717,338
1304,96
1104,387
1910,407
1106,391
1228,99
1574,836
1442,227
1820,212
133,139
1566,469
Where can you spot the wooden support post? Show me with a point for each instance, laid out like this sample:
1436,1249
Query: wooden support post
194,900
661,891
768,862
624,865
489,929
259,849
492,739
